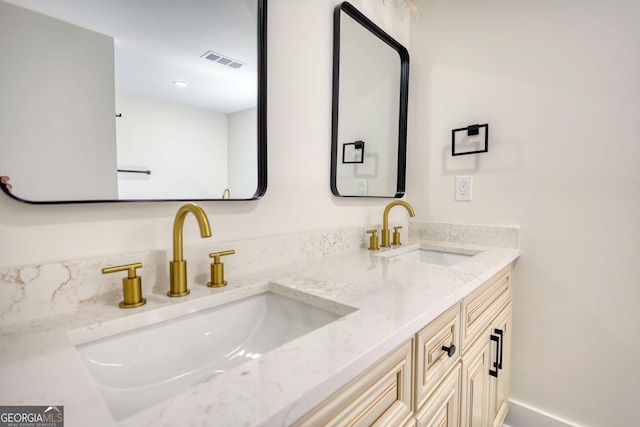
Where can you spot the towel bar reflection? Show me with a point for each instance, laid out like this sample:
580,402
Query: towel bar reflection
148,172
358,156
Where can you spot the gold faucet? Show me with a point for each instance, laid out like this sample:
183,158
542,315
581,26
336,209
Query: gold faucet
131,285
178,267
373,240
385,220
217,269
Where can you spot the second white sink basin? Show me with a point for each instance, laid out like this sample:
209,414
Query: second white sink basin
136,369
429,254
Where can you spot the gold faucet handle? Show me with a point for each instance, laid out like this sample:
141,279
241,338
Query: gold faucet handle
396,235
217,269
373,240
131,285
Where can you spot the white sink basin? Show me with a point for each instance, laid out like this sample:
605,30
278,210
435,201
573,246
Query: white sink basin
138,368
430,254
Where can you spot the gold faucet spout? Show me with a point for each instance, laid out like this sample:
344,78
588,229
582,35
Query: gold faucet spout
178,267
178,224
385,220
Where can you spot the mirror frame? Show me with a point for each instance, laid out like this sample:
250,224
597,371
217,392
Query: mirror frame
360,18
261,189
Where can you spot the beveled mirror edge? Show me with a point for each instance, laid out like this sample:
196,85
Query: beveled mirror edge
359,17
261,137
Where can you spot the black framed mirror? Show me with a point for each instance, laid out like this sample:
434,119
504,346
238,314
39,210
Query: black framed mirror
95,107
370,101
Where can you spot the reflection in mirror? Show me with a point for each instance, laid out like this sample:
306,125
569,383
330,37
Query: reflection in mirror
370,96
94,108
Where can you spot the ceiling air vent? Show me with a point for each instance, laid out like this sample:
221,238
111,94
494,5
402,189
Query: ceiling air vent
221,59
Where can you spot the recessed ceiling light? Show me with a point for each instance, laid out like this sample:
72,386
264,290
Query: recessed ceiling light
180,84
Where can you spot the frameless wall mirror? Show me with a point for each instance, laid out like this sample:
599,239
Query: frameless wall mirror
125,100
369,120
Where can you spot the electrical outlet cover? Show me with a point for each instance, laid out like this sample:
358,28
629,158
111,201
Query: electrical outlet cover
363,187
464,188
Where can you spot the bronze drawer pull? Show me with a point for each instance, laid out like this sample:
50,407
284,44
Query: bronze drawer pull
451,350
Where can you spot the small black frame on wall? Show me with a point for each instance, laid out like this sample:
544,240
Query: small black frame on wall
473,143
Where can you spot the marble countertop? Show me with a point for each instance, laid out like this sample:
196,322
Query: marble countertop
39,364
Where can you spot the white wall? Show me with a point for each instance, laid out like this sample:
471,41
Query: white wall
558,84
56,84
242,156
185,148
298,197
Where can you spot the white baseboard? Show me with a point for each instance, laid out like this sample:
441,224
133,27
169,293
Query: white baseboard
522,415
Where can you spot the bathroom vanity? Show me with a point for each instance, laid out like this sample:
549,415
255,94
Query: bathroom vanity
410,342
447,374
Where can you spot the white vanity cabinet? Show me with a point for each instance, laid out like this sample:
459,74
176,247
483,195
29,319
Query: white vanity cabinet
486,357
454,372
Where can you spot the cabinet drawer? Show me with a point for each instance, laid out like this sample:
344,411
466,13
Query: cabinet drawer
380,396
483,304
434,343
442,409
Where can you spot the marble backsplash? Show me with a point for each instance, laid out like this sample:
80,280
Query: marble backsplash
501,237
37,291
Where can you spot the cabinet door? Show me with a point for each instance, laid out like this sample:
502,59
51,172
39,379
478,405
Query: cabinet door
382,396
499,389
443,407
485,375
476,363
